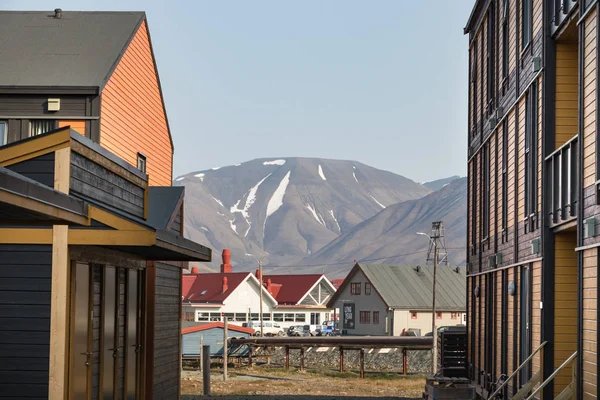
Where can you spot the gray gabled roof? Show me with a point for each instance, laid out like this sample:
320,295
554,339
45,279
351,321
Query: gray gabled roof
402,286
162,204
80,49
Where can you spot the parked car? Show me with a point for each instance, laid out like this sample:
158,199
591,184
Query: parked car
269,328
412,332
329,328
311,330
295,330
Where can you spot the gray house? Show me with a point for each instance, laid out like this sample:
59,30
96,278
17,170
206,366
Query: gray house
378,299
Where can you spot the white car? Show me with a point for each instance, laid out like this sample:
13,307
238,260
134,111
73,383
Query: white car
269,328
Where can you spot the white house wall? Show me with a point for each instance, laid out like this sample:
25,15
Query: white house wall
405,319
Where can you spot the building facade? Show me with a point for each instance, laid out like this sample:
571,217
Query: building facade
532,194
392,300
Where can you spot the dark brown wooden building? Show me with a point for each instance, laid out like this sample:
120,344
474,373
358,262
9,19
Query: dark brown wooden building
91,233
534,169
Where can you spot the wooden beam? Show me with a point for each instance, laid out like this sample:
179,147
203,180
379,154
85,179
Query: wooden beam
59,314
25,236
114,221
12,154
62,170
105,237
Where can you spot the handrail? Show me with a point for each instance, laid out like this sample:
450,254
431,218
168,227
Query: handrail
517,370
561,148
543,385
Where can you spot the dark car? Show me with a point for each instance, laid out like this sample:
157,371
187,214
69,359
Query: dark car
295,330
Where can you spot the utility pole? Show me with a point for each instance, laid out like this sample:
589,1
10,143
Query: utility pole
260,272
436,241
225,348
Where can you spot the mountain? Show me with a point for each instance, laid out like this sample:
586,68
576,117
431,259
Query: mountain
439,183
390,236
282,210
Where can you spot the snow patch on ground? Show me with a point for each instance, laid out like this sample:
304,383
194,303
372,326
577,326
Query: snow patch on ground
335,219
236,165
249,201
201,176
321,174
180,179
314,213
222,215
204,228
274,162
380,205
445,184
276,200
215,168
217,200
232,225
354,175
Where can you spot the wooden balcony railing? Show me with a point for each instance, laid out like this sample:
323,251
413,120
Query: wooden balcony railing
563,175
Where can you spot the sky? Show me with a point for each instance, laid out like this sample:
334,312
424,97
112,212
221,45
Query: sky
383,83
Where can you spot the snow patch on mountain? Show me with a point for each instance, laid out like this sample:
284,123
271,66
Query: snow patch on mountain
354,175
380,205
321,174
217,200
250,199
180,179
316,215
335,219
274,162
232,225
215,168
276,200
201,176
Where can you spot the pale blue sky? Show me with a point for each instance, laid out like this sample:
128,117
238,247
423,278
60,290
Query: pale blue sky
381,82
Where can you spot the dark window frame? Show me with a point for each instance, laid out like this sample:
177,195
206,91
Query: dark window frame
505,44
474,87
4,132
491,70
375,317
474,207
367,289
505,175
531,147
485,168
414,315
364,317
438,315
142,161
526,23
52,125
355,288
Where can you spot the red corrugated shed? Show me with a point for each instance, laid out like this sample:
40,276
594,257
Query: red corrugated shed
293,287
211,325
208,288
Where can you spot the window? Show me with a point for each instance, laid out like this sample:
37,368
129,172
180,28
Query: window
315,318
254,317
301,317
215,316
504,175
229,316
141,162
39,126
189,316
367,288
266,316
505,39
486,191
3,133
413,315
438,315
203,316
289,317
278,317
365,317
491,40
355,288
240,316
474,85
531,152
474,187
453,315
526,22
375,317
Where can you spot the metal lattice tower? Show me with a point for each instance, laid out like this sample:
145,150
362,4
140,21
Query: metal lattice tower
437,236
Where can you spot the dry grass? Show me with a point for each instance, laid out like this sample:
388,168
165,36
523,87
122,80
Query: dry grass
313,383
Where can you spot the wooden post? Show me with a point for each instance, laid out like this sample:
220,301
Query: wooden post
225,349
287,357
206,369
404,362
301,358
250,356
362,362
341,359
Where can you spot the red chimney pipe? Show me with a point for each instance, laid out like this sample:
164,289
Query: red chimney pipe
195,270
225,287
226,266
269,286
257,274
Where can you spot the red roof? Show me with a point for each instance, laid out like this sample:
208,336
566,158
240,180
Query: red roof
212,325
337,283
208,288
293,287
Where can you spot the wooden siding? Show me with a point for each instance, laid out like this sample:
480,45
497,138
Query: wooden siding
536,313
96,272
91,180
510,345
540,133
520,184
565,305
537,16
132,114
498,304
470,206
566,92
167,332
40,169
27,105
512,35
589,100
493,196
511,170
25,284
77,125
590,323
176,224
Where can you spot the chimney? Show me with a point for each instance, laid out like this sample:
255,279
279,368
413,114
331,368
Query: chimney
194,270
226,266
257,274
225,287
269,286
57,13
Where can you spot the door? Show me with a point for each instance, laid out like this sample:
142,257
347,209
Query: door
133,335
81,344
525,328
